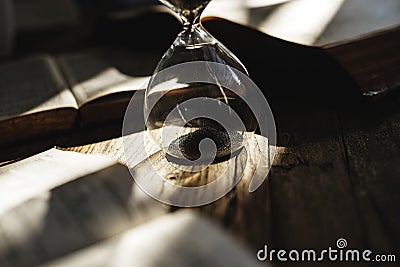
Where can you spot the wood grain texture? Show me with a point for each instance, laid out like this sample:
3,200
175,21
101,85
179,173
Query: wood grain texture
311,194
245,215
372,146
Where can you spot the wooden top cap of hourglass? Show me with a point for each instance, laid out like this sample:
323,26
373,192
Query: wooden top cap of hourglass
186,4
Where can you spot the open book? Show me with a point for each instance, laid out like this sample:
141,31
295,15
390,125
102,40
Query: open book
46,94
86,210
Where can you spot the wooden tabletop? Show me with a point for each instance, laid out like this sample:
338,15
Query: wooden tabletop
335,175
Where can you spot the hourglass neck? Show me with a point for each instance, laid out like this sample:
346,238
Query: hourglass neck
190,19
193,33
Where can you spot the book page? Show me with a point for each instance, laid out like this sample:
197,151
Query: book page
99,73
57,202
29,177
310,22
32,85
165,242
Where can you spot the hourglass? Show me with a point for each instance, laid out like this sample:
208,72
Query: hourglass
194,106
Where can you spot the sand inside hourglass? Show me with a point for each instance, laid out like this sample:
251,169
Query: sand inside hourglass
196,130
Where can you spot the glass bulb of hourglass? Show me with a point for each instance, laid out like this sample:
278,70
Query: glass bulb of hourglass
168,105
